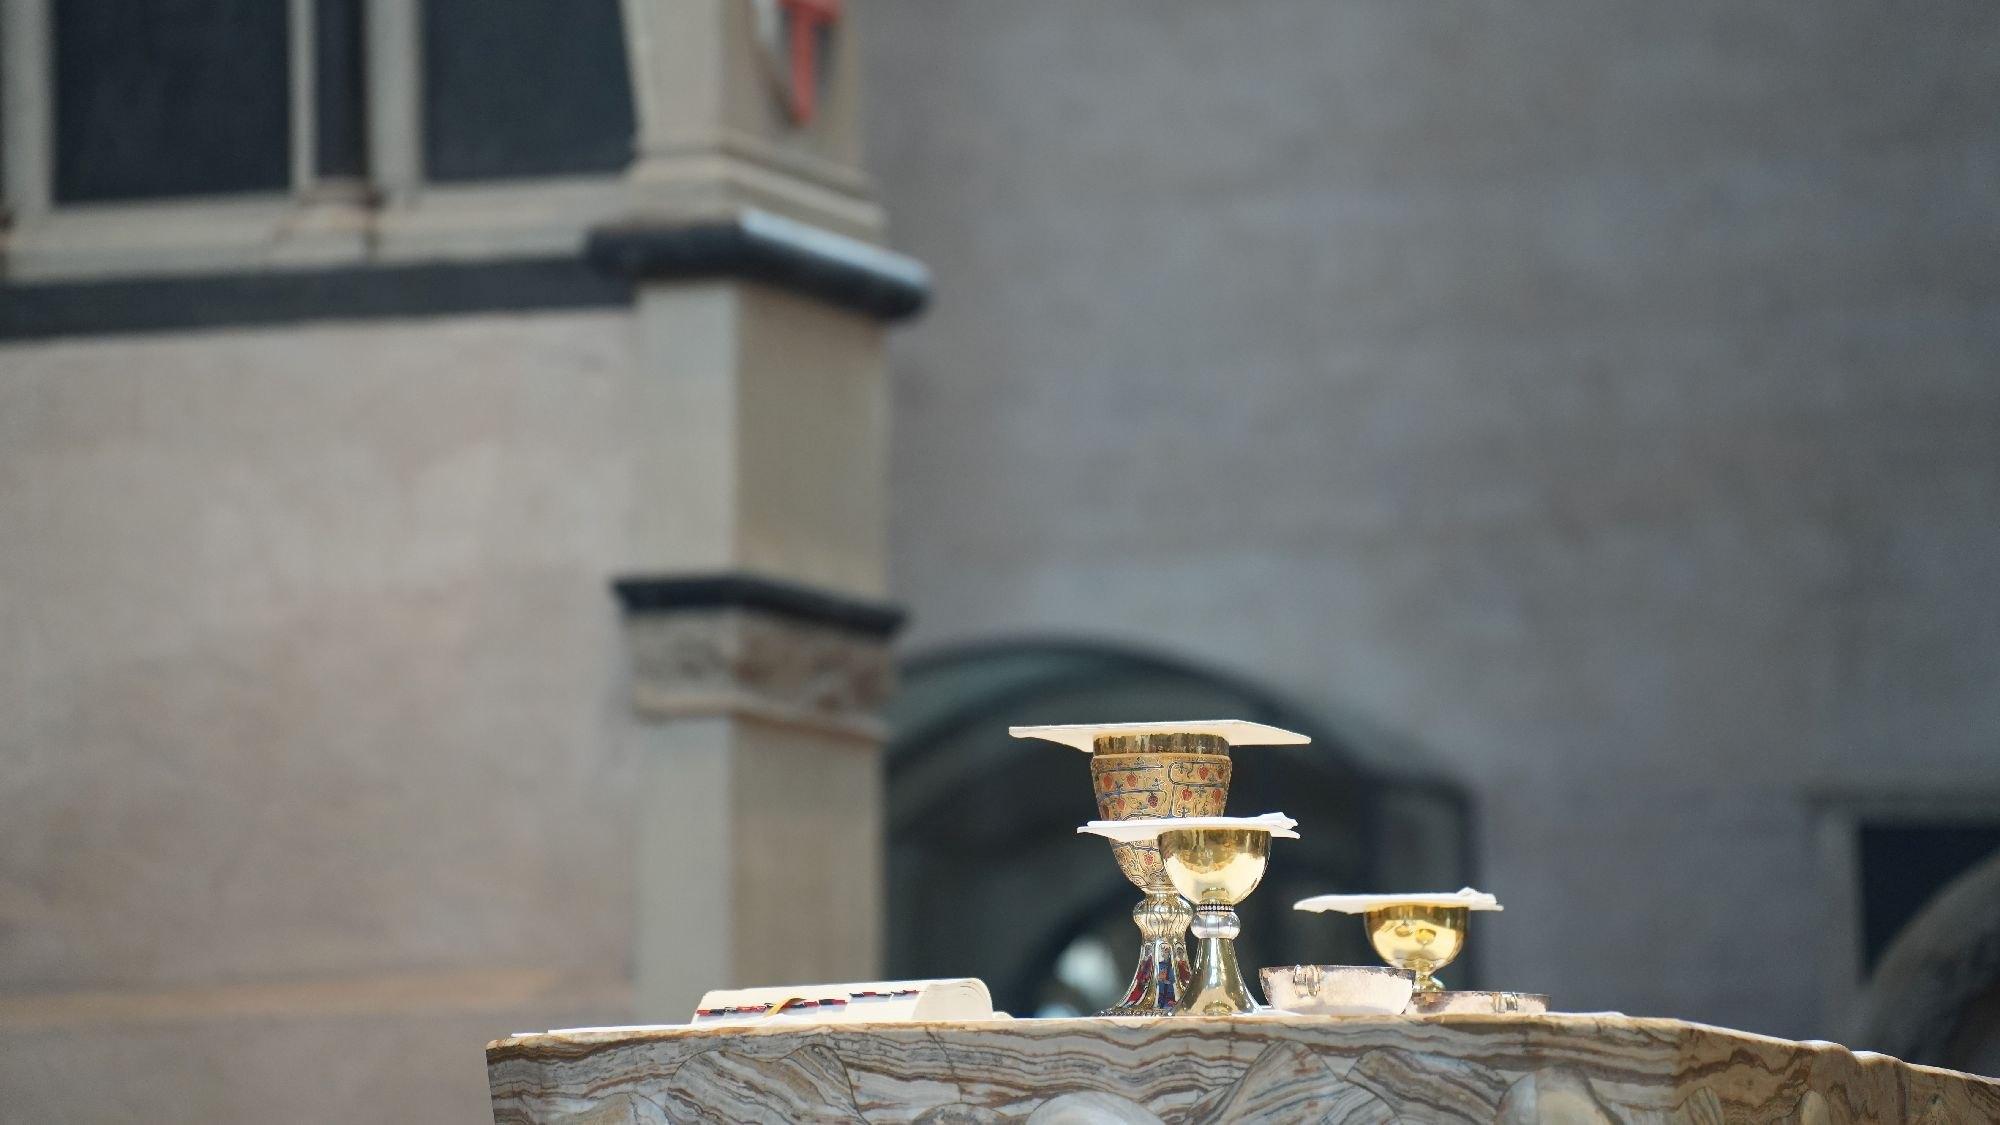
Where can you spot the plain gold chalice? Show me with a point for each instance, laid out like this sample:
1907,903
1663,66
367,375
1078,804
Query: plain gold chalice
1421,937
1421,933
1214,862
1216,868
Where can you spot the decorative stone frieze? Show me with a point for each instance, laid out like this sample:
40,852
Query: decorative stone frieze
735,645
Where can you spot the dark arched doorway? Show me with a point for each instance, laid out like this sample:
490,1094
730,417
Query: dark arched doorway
987,876
1935,997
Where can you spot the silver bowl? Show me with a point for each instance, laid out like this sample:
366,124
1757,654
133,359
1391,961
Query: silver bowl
1480,1003
1338,990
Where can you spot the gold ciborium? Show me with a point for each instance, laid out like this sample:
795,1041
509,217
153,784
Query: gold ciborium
1214,862
1421,937
1421,932
1145,771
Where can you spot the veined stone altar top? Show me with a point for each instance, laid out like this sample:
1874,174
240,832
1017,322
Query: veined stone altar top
1514,1068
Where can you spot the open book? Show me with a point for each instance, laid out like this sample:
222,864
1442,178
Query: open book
882,1001
901,1001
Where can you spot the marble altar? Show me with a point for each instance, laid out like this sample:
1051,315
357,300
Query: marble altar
1554,1068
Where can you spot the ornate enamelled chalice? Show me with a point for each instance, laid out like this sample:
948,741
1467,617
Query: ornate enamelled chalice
1214,862
1144,771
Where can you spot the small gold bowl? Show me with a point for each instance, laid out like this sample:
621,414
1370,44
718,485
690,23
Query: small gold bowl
1422,937
1338,990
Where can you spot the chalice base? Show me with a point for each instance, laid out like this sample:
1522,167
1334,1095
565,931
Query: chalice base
1218,988
1158,982
1163,972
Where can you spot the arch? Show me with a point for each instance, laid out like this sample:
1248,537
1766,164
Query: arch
1935,998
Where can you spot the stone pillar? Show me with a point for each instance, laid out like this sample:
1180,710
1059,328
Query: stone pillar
753,600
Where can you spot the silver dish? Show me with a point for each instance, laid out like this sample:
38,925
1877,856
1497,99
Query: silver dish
1338,990
1474,1001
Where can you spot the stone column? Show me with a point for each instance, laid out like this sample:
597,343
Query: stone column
753,601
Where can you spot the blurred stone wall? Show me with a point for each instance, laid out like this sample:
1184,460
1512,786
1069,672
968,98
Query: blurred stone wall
311,778
1601,395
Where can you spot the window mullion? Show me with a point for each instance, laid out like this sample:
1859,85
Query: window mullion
27,107
394,61
305,113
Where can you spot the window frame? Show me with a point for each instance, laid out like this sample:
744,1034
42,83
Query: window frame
392,215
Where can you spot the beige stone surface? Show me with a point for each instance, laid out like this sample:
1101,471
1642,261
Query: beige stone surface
767,840
316,713
311,712
713,134
316,675
762,421
400,1048
808,830
1568,1069
764,418
312,665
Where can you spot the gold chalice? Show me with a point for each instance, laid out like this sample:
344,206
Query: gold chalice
1147,771
1214,862
1420,932
1421,937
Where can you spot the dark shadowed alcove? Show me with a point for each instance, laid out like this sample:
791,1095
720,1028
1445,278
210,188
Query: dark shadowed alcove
1935,995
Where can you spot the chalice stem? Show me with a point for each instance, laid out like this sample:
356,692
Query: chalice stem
1426,982
1163,971
1218,988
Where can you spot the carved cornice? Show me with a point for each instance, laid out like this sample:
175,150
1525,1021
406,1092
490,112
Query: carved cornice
752,648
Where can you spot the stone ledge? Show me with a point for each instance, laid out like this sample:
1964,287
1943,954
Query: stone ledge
768,248
1570,1068
94,307
807,604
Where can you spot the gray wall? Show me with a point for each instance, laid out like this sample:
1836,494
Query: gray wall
1601,395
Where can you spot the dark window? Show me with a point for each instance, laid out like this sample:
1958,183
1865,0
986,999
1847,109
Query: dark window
524,88
170,97
340,140
1903,865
